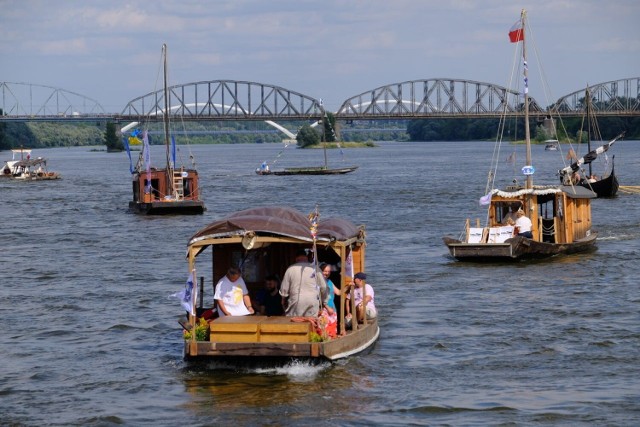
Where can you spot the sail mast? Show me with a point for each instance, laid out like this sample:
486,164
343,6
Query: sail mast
324,135
588,111
165,117
527,131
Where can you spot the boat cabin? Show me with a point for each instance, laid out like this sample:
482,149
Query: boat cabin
262,242
557,214
159,191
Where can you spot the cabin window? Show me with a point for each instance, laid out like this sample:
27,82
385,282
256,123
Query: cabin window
503,209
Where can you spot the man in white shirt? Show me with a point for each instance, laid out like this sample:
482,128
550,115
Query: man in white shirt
523,225
231,295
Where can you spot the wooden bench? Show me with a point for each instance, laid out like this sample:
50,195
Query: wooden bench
259,329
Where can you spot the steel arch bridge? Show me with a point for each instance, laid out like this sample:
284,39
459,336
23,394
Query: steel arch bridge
32,100
242,100
434,98
225,100
456,98
614,98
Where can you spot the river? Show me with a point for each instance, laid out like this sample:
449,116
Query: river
90,337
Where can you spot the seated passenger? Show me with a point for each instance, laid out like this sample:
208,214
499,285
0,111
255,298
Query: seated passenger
511,216
363,306
231,295
268,300
523,225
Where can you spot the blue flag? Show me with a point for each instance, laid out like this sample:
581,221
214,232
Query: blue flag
173,150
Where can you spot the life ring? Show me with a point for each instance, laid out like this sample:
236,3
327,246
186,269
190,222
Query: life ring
51,174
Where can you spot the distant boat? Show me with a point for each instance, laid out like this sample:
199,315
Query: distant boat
264,168
318,170
559,217
605,186
551,145
168,190
27,168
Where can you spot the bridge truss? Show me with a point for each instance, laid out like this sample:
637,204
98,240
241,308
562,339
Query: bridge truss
225,100
614,98
242,100
434,98
31,100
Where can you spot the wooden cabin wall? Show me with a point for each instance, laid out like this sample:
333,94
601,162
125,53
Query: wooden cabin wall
569,216
357,255
581,218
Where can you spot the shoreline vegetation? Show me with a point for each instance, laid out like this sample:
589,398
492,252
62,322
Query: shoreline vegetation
360,133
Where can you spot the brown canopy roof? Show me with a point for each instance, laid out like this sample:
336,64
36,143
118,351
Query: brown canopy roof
278,220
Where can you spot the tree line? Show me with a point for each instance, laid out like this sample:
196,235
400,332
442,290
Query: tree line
56,134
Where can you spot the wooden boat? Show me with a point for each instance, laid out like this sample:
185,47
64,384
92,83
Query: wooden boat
318,170
265,240
605,186
264,169
167,190
27,168
560,215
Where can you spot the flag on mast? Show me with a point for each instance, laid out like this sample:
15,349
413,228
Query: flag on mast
516,33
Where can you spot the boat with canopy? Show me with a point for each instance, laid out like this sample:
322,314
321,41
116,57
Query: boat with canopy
559,216
263,241
26,168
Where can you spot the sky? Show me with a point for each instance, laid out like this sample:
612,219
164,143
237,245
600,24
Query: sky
110,50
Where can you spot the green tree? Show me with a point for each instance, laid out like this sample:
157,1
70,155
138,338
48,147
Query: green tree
307,136
112,141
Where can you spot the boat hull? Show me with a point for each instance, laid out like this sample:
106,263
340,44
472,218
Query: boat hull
604,188
353,342
515,248
310,171
182,207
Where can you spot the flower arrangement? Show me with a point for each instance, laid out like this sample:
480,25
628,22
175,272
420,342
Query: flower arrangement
202,331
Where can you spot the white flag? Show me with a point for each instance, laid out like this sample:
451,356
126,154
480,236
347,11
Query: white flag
189,294
348,269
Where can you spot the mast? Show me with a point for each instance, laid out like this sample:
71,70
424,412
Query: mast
165,120
324,137
527,131
588,110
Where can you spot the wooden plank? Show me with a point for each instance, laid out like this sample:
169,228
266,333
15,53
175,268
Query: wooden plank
233,327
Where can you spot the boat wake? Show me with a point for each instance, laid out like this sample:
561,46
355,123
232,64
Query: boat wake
296,370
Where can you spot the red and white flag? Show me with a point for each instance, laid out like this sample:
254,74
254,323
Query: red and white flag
516,33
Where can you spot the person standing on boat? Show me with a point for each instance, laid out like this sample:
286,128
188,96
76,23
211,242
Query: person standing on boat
523,225
303,288
364,298
231,295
